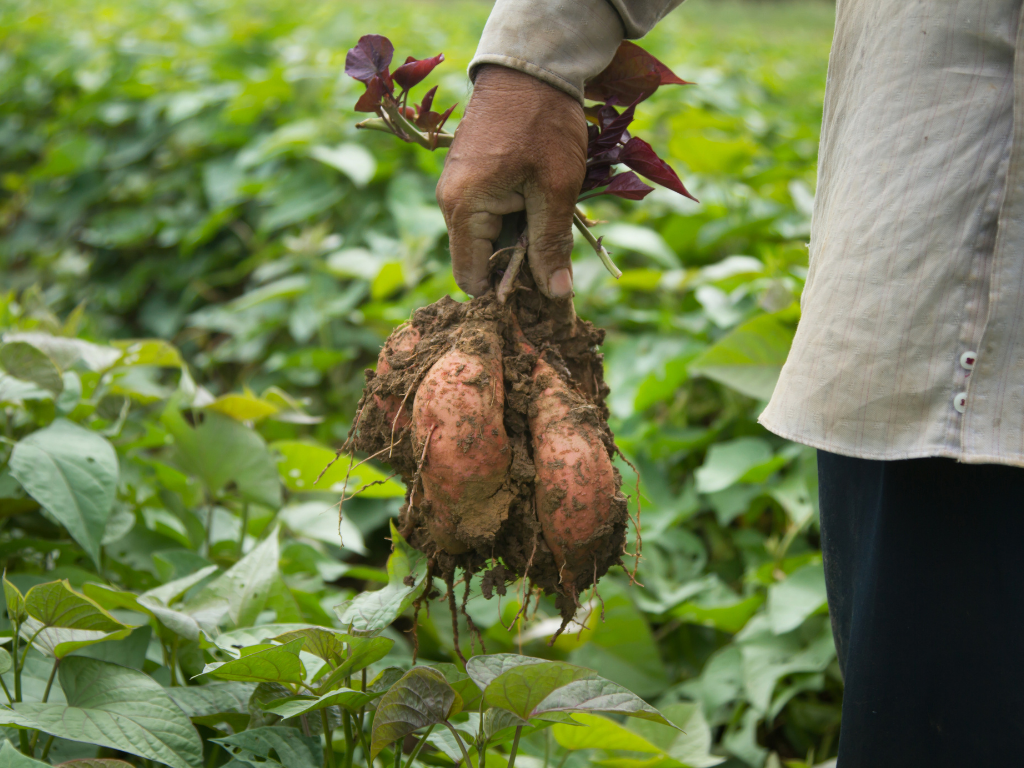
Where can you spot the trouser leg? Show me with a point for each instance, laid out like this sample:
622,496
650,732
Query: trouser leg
924,565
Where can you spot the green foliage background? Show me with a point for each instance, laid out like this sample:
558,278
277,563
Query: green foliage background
188,174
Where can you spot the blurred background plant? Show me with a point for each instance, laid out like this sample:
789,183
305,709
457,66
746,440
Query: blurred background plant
200,255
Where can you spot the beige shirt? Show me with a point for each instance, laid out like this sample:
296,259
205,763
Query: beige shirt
911,340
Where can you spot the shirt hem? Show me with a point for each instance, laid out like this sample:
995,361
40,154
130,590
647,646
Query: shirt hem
890,454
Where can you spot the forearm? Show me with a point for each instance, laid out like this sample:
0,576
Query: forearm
564,42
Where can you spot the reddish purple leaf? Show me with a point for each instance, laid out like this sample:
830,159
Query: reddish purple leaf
632,76
370,100
613,130
413,71
370,58
641,157
628,185
428,102
433,122
597,176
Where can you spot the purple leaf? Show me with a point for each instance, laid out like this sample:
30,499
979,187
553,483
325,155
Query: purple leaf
641,157
413,71
370,58
628,185
428,101
370,100
597,176
612,132
632,76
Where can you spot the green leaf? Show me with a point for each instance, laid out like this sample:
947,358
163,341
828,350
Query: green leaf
279,664
371,612
601,733
363,651
301,463
749,358
214,703
114,707
222,450
554,686
241,592
172,590
300,705
260,746
802,594
72,472
730,617
95,762
522,688
243,407
5,661
28,363
58,642
56,604
729,461
319,520
692,746
325,643
10,757
354,160
420,699
483,670
15,600
155,352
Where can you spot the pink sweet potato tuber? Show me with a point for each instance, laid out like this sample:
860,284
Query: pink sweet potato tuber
577,488
400,344
458,427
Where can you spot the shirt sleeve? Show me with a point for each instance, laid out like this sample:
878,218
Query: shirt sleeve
563,42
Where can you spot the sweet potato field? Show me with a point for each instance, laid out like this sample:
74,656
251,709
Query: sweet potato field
201,257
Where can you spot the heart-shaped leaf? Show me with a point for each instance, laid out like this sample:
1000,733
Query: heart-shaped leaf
277,664
215,703
598,695
370,58
522,688
72,472
115,707
601,733
56,604
414,70
421,698
241,592
5,661
58,642
485,669
95,762
325,643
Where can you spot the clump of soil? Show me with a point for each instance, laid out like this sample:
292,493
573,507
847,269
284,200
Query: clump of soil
504,540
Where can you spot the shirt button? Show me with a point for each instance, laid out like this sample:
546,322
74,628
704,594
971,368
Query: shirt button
960,402
967,360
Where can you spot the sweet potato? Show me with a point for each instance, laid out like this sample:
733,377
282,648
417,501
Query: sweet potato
458,428
400,344
577,488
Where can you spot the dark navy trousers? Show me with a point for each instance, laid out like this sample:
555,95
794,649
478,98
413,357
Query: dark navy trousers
924,565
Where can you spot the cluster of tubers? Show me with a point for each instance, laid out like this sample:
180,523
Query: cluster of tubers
493,413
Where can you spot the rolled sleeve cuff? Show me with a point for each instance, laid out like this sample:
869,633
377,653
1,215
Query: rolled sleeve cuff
562,42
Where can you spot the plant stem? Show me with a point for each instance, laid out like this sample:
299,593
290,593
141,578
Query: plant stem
547,746
465,754
245,526
22,733
7,693
398,754
515,746
46,748
350,746
418,747
49,681
328,746
595,243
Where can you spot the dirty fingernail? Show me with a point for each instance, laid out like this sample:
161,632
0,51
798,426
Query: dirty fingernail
560,283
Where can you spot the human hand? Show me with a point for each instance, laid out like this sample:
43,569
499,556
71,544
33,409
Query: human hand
521,145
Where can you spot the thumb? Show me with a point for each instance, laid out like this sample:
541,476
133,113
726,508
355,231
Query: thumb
549,219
